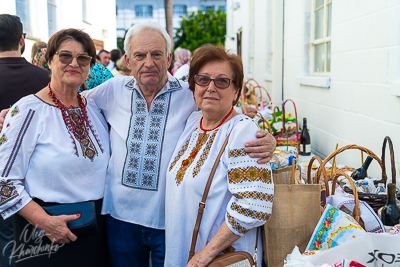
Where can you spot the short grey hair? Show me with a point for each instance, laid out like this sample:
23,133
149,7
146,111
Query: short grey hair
137,28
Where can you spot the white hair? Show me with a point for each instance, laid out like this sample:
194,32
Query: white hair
137,28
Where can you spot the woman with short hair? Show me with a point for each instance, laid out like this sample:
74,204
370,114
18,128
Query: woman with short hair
241,193
54,149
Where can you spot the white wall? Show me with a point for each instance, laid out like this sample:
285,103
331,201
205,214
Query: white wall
101,23
362,104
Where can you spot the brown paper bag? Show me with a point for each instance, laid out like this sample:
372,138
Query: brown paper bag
295,213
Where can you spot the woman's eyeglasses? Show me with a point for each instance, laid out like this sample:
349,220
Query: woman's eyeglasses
66,58
221,83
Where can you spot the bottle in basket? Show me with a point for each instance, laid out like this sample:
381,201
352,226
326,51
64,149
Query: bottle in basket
391,212
305,141
361,173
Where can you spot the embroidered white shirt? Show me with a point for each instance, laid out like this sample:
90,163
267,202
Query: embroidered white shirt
142,142
240,195
40,158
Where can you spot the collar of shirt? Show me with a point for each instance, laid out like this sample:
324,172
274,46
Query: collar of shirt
173,84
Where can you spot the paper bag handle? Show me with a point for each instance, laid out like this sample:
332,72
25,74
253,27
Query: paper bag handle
316,177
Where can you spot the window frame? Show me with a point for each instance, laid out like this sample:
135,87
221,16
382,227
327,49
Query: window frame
144,17
178,15
324,40
52,3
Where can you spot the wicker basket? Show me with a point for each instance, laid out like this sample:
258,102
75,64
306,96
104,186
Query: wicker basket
374,200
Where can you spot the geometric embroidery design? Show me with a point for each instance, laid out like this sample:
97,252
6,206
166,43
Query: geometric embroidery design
237,153
81,134
14,111
254,195
3,139
145,138
249,174
229,250
180,153
18,143
202,138
12,208
250,213
204,156
7,191
235,225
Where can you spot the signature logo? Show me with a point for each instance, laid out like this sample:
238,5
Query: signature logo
31,244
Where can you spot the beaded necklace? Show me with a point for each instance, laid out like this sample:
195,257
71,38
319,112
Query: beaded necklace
79,125
199,144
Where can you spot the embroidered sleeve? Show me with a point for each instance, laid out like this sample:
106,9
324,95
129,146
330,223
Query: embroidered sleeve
17,143
250,183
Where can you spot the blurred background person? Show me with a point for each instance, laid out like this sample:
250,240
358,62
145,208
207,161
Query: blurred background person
39,59
122,68
36,46
182,62
105,57
116,54
62,160
18,78
98,74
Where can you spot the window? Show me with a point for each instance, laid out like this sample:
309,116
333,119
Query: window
144,11
179,10
321,37
205,8
222,8
22,7
51,16
84,10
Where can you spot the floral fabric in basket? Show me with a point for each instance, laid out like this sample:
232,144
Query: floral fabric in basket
334,228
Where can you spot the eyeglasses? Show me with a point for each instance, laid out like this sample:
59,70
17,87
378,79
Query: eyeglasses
66,58
24,34
221,83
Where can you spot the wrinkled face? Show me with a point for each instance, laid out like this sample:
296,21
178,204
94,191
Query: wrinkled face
71,74
105,58
209,97
148,60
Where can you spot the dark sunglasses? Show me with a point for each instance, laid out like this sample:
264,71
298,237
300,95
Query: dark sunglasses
66,58
24,34
221,83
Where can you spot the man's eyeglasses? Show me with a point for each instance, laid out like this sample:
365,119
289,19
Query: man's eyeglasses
24,34
221,83
66,58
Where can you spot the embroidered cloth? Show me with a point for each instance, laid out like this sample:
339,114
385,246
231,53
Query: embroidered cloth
40,158
142,143
240,196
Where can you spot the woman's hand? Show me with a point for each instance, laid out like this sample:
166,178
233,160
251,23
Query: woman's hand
222,239
3,114
263,147
55,228
202,258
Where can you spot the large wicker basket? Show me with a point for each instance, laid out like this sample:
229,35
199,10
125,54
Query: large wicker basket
374,200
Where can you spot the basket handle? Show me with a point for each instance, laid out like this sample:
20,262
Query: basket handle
263,119
261,87
283,116
348,147
274,113
316,177
356,210
392,161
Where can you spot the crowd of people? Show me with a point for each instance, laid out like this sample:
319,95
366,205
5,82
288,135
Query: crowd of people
137,147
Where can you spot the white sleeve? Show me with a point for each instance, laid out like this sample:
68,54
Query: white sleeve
250,183
101,95
17,143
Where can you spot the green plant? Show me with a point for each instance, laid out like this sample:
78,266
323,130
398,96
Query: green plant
201,28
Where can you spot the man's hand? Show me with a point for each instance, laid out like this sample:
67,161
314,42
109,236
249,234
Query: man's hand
263,147
3,114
